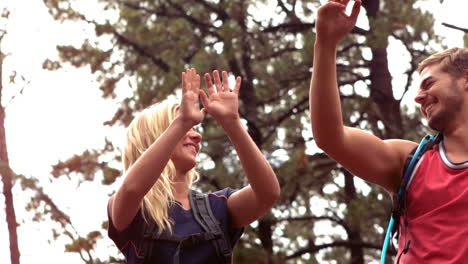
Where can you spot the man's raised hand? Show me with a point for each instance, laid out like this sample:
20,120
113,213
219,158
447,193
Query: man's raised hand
333,22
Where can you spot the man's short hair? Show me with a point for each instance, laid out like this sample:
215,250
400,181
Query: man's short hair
454,61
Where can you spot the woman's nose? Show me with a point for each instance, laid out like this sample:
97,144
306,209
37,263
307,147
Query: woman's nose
195,136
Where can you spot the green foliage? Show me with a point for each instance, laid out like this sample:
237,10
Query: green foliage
83,243
62,10
90,164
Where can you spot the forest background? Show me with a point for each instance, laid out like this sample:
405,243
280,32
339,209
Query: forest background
74,73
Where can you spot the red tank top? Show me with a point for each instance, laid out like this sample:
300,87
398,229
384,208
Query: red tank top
437,211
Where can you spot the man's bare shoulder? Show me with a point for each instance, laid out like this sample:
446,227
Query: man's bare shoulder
401,146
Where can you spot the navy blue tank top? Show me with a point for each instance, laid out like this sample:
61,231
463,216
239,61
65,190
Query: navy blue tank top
129,240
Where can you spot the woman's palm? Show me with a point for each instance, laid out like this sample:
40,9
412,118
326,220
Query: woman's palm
221,103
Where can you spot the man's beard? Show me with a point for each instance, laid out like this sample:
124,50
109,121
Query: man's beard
452,106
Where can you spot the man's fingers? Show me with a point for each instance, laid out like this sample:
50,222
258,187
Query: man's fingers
332,6
356,8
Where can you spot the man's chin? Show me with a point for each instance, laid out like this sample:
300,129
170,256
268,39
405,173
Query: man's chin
437,124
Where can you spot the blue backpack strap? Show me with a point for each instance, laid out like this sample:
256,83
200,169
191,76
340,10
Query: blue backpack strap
203,214
399,199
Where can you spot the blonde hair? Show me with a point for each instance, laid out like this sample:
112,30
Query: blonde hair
141,133
453,61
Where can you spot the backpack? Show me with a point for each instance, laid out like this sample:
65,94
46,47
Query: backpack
203,214
399,198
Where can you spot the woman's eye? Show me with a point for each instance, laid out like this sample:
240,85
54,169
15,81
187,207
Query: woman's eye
198,128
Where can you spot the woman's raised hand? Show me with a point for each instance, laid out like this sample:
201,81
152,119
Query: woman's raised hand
221,102
189,110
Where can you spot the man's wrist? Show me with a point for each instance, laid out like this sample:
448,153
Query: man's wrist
324,44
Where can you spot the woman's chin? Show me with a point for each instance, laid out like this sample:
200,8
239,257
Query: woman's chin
187,166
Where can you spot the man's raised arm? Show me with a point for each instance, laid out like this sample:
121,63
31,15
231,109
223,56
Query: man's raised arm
363,154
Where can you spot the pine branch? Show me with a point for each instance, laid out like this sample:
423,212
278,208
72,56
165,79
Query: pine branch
312,249
455,27
157,61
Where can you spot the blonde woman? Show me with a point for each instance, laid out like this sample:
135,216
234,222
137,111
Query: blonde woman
151,216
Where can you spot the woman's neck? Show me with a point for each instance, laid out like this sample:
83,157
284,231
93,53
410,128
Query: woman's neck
180,187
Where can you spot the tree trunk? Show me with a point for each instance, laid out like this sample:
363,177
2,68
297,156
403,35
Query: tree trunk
265,234
354,231
381,92
6,175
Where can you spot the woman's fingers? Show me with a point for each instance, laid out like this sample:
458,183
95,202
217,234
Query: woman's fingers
238,85
217,81
225,81
209,84
184,83
196,82
190,81
204,98
220,84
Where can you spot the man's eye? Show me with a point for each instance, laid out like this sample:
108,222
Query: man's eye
426,85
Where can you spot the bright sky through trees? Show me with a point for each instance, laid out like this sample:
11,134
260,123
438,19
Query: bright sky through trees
60,113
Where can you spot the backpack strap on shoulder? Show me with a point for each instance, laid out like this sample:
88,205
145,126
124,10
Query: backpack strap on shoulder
145,244
399,199
151,234
204,216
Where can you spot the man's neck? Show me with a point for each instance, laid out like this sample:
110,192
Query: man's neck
456,143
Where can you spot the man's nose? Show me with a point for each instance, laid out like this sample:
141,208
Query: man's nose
419,99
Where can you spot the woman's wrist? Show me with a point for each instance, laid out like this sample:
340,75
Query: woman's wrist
232,124
183,124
